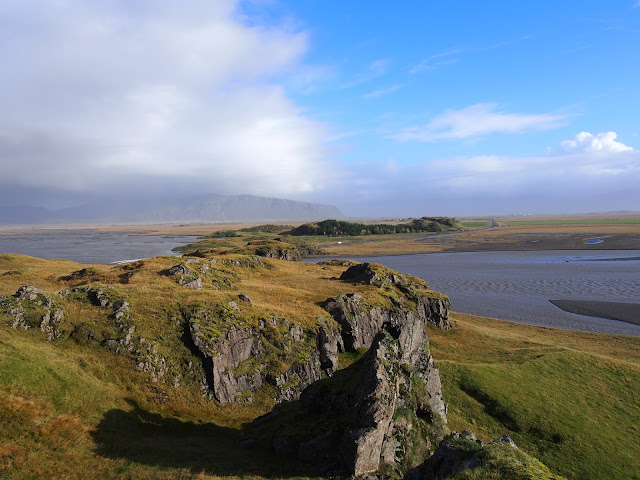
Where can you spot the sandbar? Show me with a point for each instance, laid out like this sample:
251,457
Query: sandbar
625,312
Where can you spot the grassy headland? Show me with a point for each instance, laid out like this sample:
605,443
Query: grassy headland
73,409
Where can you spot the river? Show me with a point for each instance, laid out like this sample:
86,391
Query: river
91,246
517,286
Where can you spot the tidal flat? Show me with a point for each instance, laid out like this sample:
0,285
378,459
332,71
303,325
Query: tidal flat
89,245
520,285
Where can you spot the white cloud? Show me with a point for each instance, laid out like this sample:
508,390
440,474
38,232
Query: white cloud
381,92
478,120
94,92
495,184
375,69
601,143
438,60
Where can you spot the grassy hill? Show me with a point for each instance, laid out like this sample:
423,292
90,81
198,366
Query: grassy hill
569,398
74,407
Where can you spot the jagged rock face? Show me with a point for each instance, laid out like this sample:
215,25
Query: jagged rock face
233,348
359,325
434,309
397,373
360,322
366,442
241,360
329,344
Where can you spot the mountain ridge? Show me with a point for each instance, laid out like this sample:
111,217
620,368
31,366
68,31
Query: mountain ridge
210,208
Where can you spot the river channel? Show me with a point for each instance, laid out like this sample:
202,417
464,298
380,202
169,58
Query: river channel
517,286
91,246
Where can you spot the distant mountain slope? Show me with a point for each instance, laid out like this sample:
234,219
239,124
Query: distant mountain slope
212,208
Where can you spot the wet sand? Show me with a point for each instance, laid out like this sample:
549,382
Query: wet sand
88,246
625,312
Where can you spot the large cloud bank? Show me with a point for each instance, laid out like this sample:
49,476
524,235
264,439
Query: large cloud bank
96,94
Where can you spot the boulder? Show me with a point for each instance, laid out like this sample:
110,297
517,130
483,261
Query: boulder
194,284
244,298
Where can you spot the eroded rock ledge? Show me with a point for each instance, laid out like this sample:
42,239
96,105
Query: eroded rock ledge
385,409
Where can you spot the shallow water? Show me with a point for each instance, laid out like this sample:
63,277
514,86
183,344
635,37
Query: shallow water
91,246
517,286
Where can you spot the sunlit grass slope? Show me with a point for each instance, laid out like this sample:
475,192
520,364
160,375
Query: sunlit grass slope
70,410
571,399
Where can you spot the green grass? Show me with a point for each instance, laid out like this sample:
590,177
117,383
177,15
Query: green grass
483,223
568,398
78,412
503,462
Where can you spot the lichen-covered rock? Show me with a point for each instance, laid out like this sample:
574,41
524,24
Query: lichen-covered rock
194,284
377,396
239,358
98,297
379,275
463,452
359,324
383,406
360,321
29,292
32,307
244,298
330,343
50,323
180,269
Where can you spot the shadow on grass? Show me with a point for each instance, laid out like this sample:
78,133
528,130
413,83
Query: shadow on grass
151,439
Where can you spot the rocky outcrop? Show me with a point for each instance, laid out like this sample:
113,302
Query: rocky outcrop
277,250
186,277
244,298
240,359
330,343
32,307
369,439
336,262
384,406
283,250
432,308
463,452
455,454
360,320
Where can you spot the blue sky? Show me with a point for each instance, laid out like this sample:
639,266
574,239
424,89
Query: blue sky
380,108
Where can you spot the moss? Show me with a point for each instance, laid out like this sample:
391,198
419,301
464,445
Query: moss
247,367
292,383
347,358
502,462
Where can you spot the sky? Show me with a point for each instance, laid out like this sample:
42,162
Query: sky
380,108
